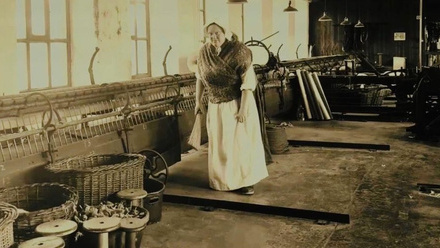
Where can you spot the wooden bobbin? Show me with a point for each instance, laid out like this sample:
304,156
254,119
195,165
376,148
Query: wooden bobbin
60,228
102,226
133,197
43,242
131,227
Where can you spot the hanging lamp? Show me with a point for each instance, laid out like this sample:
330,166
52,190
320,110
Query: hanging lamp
345,22
237,1
325,17
290,8
359,24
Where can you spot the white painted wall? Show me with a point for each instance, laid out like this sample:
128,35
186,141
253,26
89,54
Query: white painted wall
113,62
188,32
292,28
106,26
164,32
301,27
173,22
253,21
83,41
8,44
219,11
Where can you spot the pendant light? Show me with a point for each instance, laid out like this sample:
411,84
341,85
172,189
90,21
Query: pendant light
359,24
290,8
237,1
325,17
345,22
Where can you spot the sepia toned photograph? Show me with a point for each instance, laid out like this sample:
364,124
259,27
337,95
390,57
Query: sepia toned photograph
219,124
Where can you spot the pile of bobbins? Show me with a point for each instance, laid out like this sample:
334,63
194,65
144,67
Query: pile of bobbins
130,227
43,242
55,234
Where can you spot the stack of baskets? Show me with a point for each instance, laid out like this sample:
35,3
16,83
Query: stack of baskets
8,213
98,177
41,202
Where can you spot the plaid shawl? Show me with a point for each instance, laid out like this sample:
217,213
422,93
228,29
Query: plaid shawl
222,74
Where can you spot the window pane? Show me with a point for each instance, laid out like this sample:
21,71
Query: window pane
57,18
132,19
39,68
21,19
133,58
141,21
37,20
58,62
142,56
22,66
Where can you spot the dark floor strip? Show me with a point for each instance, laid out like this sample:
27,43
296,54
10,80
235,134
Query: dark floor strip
257,208
429,185
339,145
429,188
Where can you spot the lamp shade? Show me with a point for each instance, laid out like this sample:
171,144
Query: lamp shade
325,18
345,22
237,1
290,8
359,24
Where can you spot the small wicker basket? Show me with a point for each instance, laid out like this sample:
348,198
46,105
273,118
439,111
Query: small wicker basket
8,214
97,177
41,202
277,139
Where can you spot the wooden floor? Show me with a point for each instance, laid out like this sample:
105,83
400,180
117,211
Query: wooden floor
376,189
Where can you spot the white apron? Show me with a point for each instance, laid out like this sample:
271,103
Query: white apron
235,152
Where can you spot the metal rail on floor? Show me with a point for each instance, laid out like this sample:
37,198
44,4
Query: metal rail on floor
339,145
258,208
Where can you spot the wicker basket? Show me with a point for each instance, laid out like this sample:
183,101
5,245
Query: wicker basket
277,138
8,213
43,202
97,177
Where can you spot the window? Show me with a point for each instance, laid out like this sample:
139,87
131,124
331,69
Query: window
43,47
140,32
202,20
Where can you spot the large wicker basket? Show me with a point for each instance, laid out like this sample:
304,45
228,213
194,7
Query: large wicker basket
41,202
8,214
97,177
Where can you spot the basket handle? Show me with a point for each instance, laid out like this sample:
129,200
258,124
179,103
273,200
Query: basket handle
153,200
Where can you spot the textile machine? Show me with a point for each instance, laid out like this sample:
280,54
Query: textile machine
153,113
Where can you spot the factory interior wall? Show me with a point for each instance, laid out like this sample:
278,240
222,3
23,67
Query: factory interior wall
105,24
8,75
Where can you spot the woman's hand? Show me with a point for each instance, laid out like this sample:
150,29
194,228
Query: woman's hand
246,96
198,109
240,117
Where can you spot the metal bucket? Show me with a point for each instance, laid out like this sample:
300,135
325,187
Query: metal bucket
154,199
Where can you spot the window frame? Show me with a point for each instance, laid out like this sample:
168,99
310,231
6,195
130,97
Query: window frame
147,39
202,17
46,39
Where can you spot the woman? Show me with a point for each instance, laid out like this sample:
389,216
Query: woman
236,159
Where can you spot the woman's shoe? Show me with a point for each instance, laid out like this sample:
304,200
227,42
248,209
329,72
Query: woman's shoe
249,190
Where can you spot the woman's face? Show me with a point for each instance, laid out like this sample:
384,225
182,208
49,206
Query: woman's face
215,35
